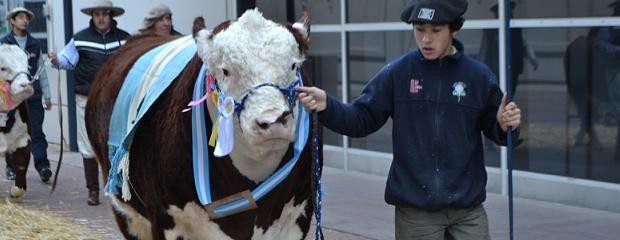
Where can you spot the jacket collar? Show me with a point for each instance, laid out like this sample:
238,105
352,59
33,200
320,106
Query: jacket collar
458,55
29,40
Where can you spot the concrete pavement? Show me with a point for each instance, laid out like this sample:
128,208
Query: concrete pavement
353,208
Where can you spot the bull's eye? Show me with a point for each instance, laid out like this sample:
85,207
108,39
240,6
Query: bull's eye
225,72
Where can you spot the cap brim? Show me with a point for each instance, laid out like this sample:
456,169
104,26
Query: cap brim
115,11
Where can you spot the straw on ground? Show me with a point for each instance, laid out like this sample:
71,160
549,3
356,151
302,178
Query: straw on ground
17,222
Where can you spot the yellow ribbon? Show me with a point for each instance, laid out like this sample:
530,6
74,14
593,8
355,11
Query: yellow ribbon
214,132
4,93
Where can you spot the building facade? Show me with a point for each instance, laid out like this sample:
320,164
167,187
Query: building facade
569,150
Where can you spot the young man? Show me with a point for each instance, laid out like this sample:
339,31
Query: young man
20,18
85,53
439,100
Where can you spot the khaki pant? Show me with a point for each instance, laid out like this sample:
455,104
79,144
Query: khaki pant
449,224
82,136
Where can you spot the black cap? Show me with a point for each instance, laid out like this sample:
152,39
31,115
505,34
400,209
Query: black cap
433,11
614,4
494,7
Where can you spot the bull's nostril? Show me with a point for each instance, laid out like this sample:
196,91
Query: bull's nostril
282,119
263,125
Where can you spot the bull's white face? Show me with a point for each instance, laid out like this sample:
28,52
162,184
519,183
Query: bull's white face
253,51
15,86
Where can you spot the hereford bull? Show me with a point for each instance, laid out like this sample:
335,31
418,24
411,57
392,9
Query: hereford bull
252,60
15,87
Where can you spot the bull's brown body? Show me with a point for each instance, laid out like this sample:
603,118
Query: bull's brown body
161,173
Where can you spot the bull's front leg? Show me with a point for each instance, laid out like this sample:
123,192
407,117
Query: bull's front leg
20,160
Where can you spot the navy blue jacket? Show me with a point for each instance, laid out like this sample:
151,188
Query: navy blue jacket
439,109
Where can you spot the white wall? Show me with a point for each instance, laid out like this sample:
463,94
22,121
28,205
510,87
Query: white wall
183,14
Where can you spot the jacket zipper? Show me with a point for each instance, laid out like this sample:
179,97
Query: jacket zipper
435,154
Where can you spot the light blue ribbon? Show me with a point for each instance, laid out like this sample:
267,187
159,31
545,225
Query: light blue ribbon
120,138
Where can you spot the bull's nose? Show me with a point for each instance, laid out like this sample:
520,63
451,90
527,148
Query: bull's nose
265,123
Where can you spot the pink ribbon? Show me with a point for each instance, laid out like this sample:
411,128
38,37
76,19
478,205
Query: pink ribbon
6,94
210,81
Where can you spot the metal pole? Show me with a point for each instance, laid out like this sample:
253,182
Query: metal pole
68,20
345,76
507,9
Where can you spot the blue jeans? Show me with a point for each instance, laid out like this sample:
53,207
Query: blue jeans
37,137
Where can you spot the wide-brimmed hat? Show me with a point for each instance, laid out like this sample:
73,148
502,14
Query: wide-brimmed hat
155,14
103,4
17,10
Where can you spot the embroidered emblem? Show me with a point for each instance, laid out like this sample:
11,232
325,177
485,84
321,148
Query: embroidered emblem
459,90
415,86
426,13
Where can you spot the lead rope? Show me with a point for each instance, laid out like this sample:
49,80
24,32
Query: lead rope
62,138
317,175
48,62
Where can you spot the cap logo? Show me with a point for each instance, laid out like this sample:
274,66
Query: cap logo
426,13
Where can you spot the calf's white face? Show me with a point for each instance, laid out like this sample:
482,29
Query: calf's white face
250,52
15,86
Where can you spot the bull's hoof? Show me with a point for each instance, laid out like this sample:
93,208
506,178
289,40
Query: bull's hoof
17,192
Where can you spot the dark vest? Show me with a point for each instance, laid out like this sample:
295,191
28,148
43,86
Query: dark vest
94,49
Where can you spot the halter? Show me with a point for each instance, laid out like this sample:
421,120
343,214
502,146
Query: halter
30,78
5,88
247,199
289,92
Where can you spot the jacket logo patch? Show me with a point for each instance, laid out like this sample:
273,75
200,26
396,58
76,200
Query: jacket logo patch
459,90
415,86
426,13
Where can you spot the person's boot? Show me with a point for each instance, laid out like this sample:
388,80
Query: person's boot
91,172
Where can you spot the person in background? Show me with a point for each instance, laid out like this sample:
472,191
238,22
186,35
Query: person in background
158,21
85,54
19,19
439,100
489,50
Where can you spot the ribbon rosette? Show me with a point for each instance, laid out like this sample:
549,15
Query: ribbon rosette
224,125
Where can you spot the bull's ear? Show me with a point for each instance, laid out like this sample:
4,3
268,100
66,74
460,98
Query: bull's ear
303,26
202,41
199,24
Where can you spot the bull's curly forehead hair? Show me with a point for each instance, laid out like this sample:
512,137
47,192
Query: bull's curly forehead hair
300,38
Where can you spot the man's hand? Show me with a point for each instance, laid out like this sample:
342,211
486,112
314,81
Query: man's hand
313,99
508,115
53,58
48,104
